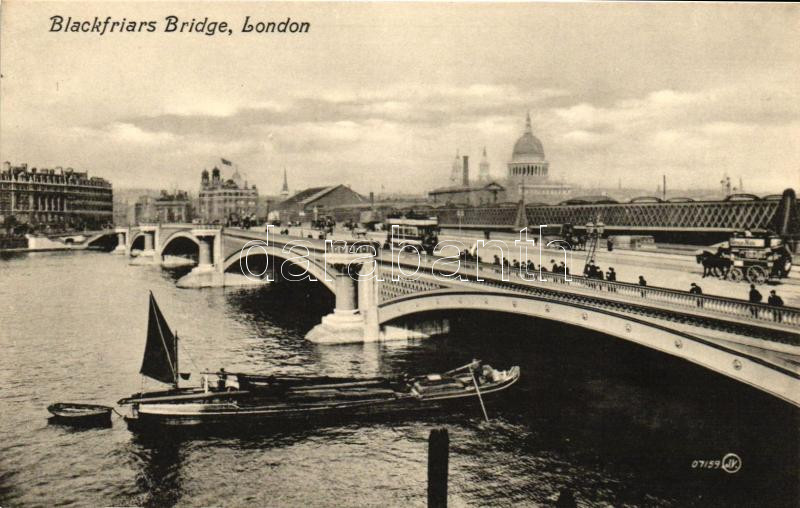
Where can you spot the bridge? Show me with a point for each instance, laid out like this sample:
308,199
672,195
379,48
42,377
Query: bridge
695,222
384,294
76,240
698,222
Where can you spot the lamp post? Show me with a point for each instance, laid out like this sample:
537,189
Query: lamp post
594,230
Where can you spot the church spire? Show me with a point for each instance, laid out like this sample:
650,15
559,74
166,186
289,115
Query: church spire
455,173
528,128
285,188
483,173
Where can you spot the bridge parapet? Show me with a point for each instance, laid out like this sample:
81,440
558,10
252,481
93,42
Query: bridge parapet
780,317
772,324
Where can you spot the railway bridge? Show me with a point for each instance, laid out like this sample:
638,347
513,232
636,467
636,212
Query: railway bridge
688,221
382,295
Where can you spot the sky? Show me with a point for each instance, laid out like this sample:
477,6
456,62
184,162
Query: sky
380,96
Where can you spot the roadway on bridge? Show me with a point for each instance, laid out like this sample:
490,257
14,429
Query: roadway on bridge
672,271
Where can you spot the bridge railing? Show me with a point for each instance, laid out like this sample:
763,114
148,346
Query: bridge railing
192,225
698,303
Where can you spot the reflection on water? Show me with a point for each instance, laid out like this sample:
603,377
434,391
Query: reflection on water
612,422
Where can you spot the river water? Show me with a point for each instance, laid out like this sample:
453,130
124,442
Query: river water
611,422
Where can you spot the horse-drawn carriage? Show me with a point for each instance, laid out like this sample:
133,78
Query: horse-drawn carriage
573,239
755,258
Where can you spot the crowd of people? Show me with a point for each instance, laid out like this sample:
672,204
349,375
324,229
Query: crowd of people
593,271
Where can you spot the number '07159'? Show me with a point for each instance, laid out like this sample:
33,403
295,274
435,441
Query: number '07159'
706,464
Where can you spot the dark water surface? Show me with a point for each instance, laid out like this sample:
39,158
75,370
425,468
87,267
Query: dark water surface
615,424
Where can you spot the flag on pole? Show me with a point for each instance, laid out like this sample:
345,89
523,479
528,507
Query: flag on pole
226,162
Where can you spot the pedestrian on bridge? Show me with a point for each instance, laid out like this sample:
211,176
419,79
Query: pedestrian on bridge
754,297
695,290
611,275
555,266
775,301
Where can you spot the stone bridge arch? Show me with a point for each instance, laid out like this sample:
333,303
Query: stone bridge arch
103,238
135,236
775,380
315,268
177,234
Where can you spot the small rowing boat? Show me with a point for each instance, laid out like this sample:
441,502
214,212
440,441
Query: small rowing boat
71,413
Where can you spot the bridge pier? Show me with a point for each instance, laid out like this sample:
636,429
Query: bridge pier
355,316
205,259
208,272
122,242
345,293
149,254
346,323
368,299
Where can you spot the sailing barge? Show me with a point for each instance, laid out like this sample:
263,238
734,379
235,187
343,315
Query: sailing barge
227,399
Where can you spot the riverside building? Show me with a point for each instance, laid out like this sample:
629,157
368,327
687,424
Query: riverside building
173,207
228,200
54,198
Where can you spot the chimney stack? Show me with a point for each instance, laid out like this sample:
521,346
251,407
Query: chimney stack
465,173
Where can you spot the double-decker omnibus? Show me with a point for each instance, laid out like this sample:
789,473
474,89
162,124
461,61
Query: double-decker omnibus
412,229
759,257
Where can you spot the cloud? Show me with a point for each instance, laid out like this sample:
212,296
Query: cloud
585,138
129,133
437,106
405,136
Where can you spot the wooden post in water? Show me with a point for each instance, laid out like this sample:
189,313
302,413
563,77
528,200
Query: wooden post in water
566,499
438,461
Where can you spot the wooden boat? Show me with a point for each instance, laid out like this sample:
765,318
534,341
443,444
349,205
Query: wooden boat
71,413
239,398
333,401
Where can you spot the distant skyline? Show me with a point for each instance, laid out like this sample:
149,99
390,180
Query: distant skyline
380,94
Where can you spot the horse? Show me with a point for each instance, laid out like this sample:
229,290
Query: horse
575,242
715,265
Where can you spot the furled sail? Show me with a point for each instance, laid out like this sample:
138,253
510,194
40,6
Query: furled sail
161,351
